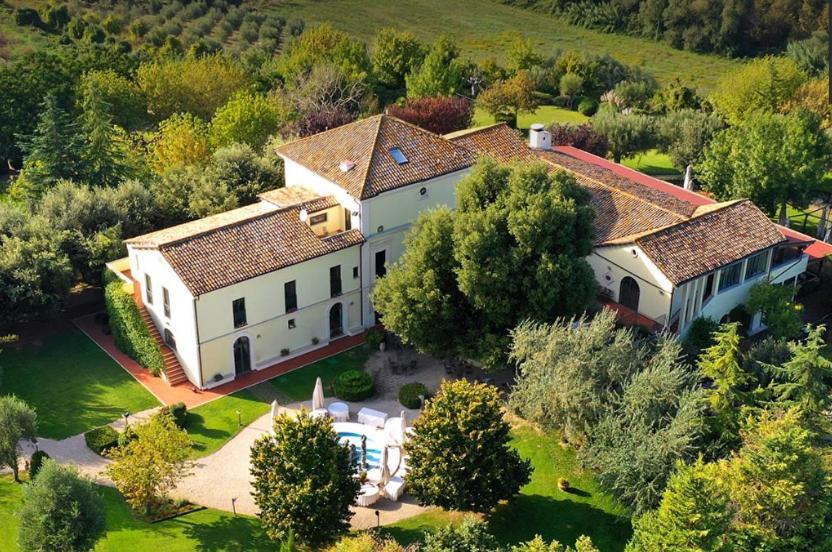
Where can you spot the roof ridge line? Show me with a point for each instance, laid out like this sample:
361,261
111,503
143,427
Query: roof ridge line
619,190
275,211
372,156
333,129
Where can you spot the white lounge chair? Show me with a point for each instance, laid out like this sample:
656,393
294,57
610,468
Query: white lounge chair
371,417
394,488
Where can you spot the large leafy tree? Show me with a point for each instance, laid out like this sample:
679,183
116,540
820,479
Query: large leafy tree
17,421
520,235
440,115
394,55
459,453
760,85
773,159
695,514
684,134
508,98
61,511
103,151
626,133
304,481
654,423
323,45
776,304
182,140
145,468
247,118
440,73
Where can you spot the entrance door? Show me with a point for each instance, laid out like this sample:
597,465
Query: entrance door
336,325
242,356
629,293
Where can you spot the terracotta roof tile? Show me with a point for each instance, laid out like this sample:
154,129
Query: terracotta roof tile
711,239
231,254
367,144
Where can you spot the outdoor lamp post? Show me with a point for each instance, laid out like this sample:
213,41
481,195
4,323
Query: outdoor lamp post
378,519
234,505
125,415
35,442
239,419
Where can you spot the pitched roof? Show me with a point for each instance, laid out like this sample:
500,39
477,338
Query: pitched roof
238,252
715,236
368,143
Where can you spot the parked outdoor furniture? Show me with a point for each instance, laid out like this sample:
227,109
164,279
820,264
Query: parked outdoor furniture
368,495
319,413
394,488
339,411
371,417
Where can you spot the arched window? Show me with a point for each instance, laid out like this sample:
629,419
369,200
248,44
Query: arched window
242,356
629,293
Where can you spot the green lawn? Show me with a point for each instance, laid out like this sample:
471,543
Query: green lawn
212,425
72,383
298,385
546,114
651,162
206,530
484,28
542,508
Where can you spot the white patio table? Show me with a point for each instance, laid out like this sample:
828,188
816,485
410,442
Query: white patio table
368,495
339,411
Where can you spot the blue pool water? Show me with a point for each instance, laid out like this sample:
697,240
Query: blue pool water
373,448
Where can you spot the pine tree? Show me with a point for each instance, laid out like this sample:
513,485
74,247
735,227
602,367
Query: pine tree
721,364
52,152
806,379
104,157
695,514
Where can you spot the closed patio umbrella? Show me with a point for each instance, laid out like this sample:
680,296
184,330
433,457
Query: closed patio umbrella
274,413
404,427
318,395
385,469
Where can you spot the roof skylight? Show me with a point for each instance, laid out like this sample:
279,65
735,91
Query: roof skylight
398,155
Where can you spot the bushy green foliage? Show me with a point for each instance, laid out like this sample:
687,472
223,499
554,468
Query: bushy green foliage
247,118
394,55
588,107
459,453
582,544
17,421
780,313
805,379
508,98
182,140
101,439
469,536
771,159
36,463
685,133
304,481
129,330
179,413
439,74
354,385
62,510
514,249
127,103
366,542
146,467
625,133
699,337
409,394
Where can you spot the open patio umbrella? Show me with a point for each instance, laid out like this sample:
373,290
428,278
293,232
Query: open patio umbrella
385,469
274,413
404,427
318,395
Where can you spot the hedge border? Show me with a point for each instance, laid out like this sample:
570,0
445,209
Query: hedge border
131,334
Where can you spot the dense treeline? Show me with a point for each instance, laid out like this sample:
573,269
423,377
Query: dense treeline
731,27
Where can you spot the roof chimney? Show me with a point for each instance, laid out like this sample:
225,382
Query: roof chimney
346,165
540,138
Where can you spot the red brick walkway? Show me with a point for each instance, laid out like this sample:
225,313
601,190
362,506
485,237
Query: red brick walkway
628,316
186,392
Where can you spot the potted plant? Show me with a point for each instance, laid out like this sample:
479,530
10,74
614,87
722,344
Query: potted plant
315,341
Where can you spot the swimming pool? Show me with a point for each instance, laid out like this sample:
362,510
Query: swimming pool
351,433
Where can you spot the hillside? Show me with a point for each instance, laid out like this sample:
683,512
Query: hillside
483,28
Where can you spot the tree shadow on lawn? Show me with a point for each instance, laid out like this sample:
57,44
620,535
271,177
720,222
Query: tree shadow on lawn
564,520
228,534
196,427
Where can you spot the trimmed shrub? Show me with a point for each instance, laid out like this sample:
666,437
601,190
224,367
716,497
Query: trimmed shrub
101,439
409,394
563,484
131,334
374,339
588,107
179,413
354,385
36,462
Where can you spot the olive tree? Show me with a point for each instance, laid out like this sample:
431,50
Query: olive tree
17,421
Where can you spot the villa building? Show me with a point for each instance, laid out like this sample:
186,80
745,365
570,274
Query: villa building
246,289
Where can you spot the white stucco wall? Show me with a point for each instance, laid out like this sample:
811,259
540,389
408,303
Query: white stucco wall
267,320
298,175
182,321
612,263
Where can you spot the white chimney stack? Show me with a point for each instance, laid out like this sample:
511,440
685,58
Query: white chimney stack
688,184
539,138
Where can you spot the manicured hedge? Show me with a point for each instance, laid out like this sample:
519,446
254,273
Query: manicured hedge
129,330
101,439
409,395
354,385
36,463
179,412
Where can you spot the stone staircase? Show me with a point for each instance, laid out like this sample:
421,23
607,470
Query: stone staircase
173,370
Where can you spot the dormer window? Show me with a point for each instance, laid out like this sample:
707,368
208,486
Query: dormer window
317,219
398,155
